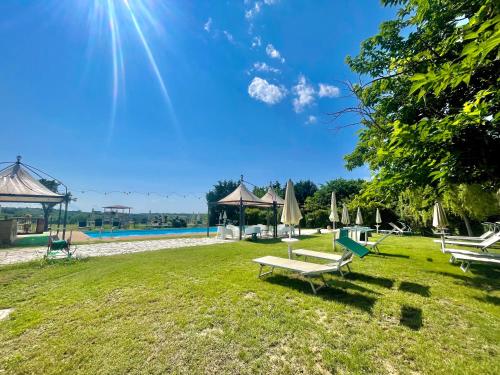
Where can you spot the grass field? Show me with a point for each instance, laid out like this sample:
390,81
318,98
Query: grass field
203,310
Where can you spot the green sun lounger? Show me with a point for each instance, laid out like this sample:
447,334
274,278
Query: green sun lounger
353,246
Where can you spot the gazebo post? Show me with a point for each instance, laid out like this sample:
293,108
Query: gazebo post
241,217
66,201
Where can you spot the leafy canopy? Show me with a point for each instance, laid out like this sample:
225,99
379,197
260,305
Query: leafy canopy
430,114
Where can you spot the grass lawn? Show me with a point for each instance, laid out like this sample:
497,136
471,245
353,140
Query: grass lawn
203,310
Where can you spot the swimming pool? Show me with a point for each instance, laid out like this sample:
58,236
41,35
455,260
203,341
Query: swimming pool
147,232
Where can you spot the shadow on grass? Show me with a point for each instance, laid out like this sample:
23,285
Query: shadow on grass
344,284
356,300
380,281
421,290
277,240
411,317
391,255
487,282
430,260
489,299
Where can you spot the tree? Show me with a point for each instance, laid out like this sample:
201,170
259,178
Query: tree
317,206
219,191
304,189
430,112
52,185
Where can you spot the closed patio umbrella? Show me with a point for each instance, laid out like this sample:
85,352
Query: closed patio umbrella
439,221
334,215
291,214
359,217
378,219
345,215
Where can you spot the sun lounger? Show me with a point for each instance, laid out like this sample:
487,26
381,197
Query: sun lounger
400,230
467,260
308,270
57,248
483,245
373,245
340,260
484,236
352,246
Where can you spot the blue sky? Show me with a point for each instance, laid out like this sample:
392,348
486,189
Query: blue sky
172,96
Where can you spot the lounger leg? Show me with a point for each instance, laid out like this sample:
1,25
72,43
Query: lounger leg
265,273
465,266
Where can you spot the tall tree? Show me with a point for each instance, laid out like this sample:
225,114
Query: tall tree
430,113
52,185
304,189
219,191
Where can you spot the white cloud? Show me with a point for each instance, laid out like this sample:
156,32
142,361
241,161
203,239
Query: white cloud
208,25
257,7
270,2
273,53
260,89
263,67
305,94
328,91
256,41
229,36
311,120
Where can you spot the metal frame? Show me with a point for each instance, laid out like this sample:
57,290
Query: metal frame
306,276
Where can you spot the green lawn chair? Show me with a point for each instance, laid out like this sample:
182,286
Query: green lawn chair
58,248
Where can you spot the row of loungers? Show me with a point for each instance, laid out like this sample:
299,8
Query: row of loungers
309,270
468,257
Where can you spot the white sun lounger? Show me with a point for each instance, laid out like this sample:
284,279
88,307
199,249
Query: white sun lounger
399,230
336,259
467,260
483,245
482,237
308,270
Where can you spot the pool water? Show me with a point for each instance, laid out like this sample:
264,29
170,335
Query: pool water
147,232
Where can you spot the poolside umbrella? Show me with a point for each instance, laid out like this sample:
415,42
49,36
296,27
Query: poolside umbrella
359,218
334,215
291,214
378,219
345,215
224,217
220,217
439,221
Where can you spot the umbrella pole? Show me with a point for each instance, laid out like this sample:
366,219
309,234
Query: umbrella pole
333,235
275,220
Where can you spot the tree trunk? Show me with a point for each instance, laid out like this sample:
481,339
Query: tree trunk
467,225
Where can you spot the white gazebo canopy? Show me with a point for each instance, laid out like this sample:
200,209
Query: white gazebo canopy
242,196
19,186
271,197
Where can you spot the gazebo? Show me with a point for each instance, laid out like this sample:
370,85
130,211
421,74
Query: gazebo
116,209
242,197
17,185
273,200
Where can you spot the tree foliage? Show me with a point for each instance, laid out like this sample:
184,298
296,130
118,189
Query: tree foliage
317,206
430,114
219,191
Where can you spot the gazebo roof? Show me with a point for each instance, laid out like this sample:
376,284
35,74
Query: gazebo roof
271,197
19,186
243,195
